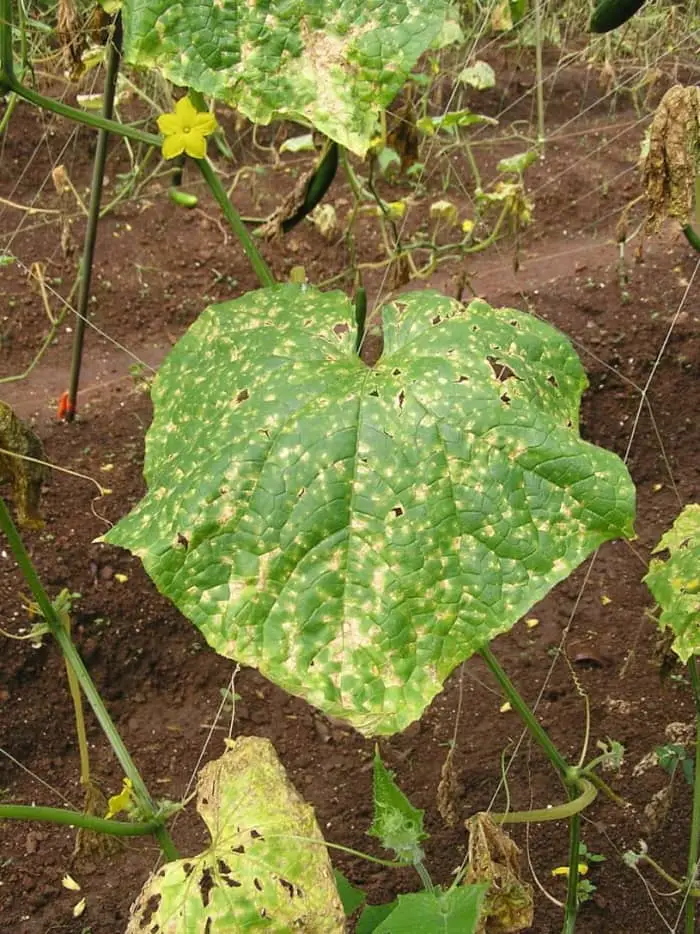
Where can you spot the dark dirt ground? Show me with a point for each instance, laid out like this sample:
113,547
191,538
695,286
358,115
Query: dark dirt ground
157,266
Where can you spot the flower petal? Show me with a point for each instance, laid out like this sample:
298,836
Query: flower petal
195,145
168,124
186,112
205,123
174,145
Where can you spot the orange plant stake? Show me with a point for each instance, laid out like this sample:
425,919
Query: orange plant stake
65,409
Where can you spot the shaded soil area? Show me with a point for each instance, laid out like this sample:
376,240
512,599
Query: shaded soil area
157,266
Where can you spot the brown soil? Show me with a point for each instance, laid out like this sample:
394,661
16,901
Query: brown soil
157,266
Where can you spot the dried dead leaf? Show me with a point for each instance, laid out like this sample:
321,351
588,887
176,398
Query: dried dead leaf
494,858
673,159
17,443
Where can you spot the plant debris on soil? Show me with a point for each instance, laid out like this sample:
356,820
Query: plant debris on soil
157,266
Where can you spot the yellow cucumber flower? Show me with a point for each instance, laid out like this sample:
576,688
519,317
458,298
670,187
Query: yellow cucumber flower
186,130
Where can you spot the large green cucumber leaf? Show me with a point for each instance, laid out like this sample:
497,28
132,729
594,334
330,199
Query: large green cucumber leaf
356,533
266,867
335,64
675,583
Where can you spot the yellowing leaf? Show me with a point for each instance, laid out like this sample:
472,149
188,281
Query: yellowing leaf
564,870
531,622
605,600
504,708
20,449
79,909
121,578
68,882
122,801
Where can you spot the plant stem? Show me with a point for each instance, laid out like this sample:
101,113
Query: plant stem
260,267
77,697
79,819
7,73
539,72
98,168
531,722
570,777
557,812
695,819
91,693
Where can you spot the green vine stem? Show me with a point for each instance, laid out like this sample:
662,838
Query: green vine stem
260,267
695,819
91,693
557,812
98,168
570,776
116,828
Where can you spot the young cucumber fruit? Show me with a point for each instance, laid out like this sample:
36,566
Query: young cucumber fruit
609,14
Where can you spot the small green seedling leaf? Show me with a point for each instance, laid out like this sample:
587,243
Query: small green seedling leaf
673,755
7,259
675,583
333,65
266,866
480,75
456,911
397,824
519,162
357,533
350,896
452,120
389,161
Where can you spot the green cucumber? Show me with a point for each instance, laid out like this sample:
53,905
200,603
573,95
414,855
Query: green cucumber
183,198
318,185
609,14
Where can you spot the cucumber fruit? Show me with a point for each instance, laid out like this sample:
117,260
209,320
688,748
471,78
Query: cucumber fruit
609,14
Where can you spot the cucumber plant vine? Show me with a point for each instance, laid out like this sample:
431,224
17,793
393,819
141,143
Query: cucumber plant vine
355,533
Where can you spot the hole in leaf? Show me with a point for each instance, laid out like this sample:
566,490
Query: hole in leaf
206,884
341,329
501,371
263,913
258,884
401,398
463,379
397,510
242,396
396,372
301,492
255,835
207,926
187,868
475,327
223,868
505,398
205,800
264,431
374,393
552,380
150,909
569,424
294,891
514,323
238,849
437,319
181,540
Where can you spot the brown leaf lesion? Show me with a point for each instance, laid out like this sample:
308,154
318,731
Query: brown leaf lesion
20,452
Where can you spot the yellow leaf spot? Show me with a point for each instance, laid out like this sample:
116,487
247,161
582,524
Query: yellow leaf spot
79,909
68,882
122,801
